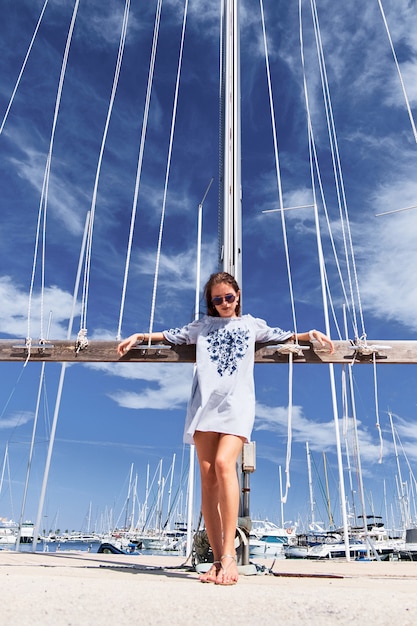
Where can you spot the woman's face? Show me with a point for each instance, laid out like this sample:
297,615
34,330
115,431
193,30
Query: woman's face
225,292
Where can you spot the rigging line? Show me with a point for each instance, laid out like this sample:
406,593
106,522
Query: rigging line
140,161
407,102
167,173
289,428
326,317
320,482
23,67
122,41
6,463
350,475
46,413
345,408
59,395
317,169
404,508
45,186
405,457
287,254
359,472
41,386
314,166
314,157
330,299
331,303
12,391
220,203
82,336
277,165
407,208
337,168
378,425
6,454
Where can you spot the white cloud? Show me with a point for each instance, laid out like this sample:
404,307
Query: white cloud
14,310
15,420
275,419
321,436
169,389
395,95
387,253
62,196
177,269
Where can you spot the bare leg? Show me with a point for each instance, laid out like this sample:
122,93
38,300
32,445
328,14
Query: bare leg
206,446
217,454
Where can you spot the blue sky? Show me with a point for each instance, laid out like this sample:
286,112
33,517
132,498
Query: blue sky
113,415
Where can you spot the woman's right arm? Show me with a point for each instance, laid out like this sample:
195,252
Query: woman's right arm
127,344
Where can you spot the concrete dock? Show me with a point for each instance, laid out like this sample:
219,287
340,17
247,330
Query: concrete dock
80,589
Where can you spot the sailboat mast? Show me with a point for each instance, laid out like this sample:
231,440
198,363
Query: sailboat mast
404,508
5,460
329,508
310,487
128,497
230,149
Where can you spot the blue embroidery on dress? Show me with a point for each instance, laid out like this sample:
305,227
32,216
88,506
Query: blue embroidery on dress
175,331
278,332
226,347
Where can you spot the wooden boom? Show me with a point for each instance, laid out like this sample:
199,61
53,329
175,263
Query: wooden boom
394,352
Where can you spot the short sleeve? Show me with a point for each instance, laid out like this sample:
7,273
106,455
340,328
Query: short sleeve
187,334
266,333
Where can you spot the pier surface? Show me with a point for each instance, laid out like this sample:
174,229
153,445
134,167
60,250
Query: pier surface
82,589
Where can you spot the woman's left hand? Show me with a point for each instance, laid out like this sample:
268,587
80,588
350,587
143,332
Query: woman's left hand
322,339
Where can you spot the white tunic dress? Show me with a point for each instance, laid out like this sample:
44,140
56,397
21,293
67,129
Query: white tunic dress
223,396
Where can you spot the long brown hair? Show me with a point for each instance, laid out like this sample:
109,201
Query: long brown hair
215,279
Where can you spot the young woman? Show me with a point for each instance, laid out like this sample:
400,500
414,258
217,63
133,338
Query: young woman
221,410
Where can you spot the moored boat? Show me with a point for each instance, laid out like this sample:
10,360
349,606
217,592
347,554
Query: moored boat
268,539
337,550
409,551
7,536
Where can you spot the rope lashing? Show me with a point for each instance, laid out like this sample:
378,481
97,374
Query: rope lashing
363,349
81,342
28,346
291,348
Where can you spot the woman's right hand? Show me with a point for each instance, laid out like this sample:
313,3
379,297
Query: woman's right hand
127,344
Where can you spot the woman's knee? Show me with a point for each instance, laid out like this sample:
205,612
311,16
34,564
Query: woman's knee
208,477
225,466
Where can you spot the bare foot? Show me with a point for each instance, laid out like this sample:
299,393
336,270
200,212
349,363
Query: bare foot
228,574
211,575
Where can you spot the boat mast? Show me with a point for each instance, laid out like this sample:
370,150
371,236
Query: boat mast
129,493
230,210
404,505
310,487
329,508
